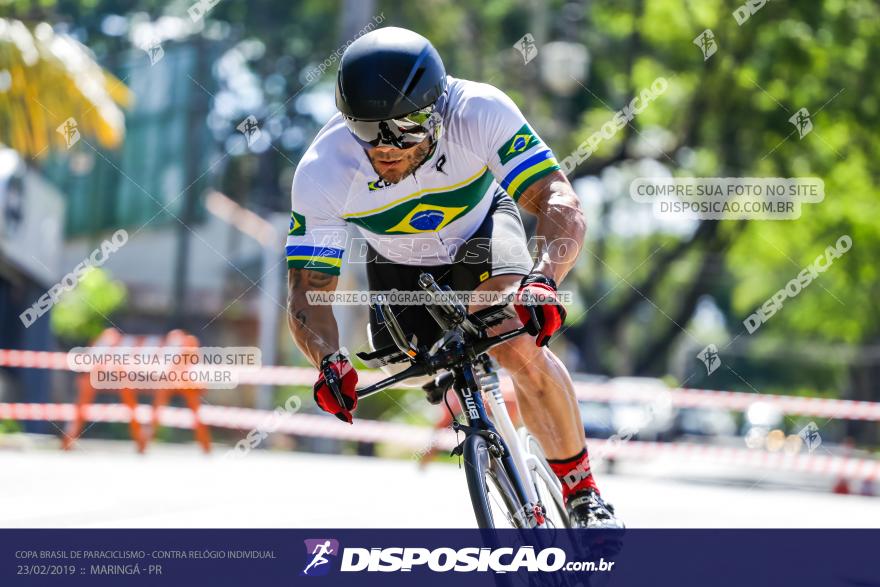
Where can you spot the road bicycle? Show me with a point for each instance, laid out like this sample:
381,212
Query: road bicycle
510,482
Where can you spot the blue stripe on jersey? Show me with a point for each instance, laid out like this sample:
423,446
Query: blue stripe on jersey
303,250
534,159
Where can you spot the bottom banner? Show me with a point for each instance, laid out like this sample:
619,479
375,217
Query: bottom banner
434,557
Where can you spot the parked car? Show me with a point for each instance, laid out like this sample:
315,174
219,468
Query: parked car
704,422
642,408
598,419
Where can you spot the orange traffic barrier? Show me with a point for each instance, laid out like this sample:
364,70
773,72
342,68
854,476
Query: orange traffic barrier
183,345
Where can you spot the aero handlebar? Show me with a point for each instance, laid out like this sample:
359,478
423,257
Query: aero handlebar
449,314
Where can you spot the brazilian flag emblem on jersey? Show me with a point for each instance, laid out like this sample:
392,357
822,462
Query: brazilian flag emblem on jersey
297,224
426,218
520,142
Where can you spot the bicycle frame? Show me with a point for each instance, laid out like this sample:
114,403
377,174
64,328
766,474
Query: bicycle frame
505,440
462,360
524,460
516,441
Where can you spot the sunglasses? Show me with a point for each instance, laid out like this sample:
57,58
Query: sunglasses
403,132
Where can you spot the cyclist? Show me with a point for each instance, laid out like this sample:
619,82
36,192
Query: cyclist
430,170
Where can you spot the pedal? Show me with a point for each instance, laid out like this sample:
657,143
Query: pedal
437,387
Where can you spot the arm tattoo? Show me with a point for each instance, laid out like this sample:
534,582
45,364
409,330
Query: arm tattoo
313,327
318,279
313,278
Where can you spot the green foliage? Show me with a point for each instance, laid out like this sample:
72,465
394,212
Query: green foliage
10,427
729,117
84,312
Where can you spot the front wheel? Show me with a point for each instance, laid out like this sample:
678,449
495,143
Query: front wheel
547,485
493,495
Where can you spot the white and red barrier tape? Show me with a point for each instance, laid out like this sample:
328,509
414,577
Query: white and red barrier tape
602,392
230,417
818,464
421,439
842,409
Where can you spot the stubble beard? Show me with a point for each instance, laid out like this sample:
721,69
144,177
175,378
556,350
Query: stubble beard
417,156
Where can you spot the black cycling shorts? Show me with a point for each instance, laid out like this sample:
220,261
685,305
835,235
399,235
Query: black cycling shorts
498,247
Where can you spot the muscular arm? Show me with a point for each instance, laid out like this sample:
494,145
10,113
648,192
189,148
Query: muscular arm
561,224
313,326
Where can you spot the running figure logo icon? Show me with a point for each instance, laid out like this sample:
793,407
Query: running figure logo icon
707,43
250,128
710,358
70,131
154,51
318,550
802,122
526,47
811,437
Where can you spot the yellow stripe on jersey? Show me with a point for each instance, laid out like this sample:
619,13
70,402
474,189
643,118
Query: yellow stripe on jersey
513,188
325,260
417,194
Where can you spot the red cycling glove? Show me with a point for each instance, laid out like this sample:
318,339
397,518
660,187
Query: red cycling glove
538,307
346,380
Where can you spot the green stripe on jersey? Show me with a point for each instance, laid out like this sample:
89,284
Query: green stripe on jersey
313,265
530,176
429,213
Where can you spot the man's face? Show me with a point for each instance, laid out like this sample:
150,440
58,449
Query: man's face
394,164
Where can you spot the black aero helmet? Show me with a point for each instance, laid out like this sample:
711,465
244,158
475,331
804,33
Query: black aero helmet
387,74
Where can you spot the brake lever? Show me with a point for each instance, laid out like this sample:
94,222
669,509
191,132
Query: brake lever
333,381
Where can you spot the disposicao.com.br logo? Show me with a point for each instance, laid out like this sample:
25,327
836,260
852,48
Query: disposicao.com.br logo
444,559
318,550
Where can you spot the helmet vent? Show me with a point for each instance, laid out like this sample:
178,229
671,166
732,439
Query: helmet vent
414,81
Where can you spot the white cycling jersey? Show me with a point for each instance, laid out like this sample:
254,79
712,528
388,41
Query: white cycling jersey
423,219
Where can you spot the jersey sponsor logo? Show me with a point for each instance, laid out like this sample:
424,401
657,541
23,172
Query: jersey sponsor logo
427,218
440,163
297,224
378,184
520,142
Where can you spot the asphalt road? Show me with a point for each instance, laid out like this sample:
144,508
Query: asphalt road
103,487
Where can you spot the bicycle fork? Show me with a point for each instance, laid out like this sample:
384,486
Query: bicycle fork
468,389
